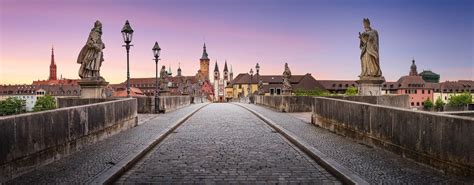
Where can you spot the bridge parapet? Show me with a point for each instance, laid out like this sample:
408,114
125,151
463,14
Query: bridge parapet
440,140
31,140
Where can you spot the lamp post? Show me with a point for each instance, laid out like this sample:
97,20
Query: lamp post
127,33
250,86
156,53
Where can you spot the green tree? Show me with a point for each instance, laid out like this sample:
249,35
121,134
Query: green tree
351,91
314,92
460,100
46,102
428,104
12,105
439,104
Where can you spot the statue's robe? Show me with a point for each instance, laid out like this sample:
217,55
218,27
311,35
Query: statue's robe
91,56
370,54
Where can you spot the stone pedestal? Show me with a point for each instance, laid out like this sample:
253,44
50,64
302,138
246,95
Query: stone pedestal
93,88
370,86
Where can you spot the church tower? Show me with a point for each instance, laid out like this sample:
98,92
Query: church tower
226,72
413,71
179,69
204,63
52,67
216,73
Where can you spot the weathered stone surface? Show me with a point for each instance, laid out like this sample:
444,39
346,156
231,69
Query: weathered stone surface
81,167
92,88
375,165
35,139
401,101
167,103
286,103
442,141
233,148
69,102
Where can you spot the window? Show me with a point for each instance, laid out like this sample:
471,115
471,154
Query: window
406,91
422,91
240,86
272,91
415,91
412,104
278,91
333,85
417,103
429,91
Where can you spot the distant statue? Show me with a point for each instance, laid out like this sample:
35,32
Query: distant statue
163,78
260,86
369,57
286,80
91,55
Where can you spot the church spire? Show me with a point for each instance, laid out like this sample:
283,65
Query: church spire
52,66
179,69
216,68
413,70
204,53
225,66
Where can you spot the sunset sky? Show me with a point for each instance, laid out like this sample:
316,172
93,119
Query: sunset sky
317,37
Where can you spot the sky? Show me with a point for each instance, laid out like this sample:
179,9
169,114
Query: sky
314,36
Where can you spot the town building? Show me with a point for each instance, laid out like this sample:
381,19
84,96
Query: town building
30,93
271,84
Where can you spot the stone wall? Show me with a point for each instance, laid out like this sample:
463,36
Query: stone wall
146,105
402,101
440,140
286,103
76,101
31,140
460,113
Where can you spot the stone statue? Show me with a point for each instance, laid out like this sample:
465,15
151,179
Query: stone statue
369,57
260,86
91,55
163,78
286,80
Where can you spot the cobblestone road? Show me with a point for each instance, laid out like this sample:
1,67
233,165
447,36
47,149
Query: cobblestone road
224,143
81,167
372,164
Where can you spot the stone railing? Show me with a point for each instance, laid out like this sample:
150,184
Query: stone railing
167,103
440,140
30,140
76,101
286,103
402,101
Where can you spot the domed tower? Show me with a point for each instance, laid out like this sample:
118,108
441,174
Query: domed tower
52,67
226,72
216,73
204,63
413,71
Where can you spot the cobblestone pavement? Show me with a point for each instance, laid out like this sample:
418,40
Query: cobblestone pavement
224,143
82,166
372,164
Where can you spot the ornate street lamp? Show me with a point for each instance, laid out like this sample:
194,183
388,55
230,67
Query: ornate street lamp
127,33
156,53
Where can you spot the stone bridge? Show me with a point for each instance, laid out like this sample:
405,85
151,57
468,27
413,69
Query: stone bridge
221,143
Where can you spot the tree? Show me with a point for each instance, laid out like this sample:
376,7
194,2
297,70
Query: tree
315,92
46,102
460,100
351,91
439,104
12,105
428,104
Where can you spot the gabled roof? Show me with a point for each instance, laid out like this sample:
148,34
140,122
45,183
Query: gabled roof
298,81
